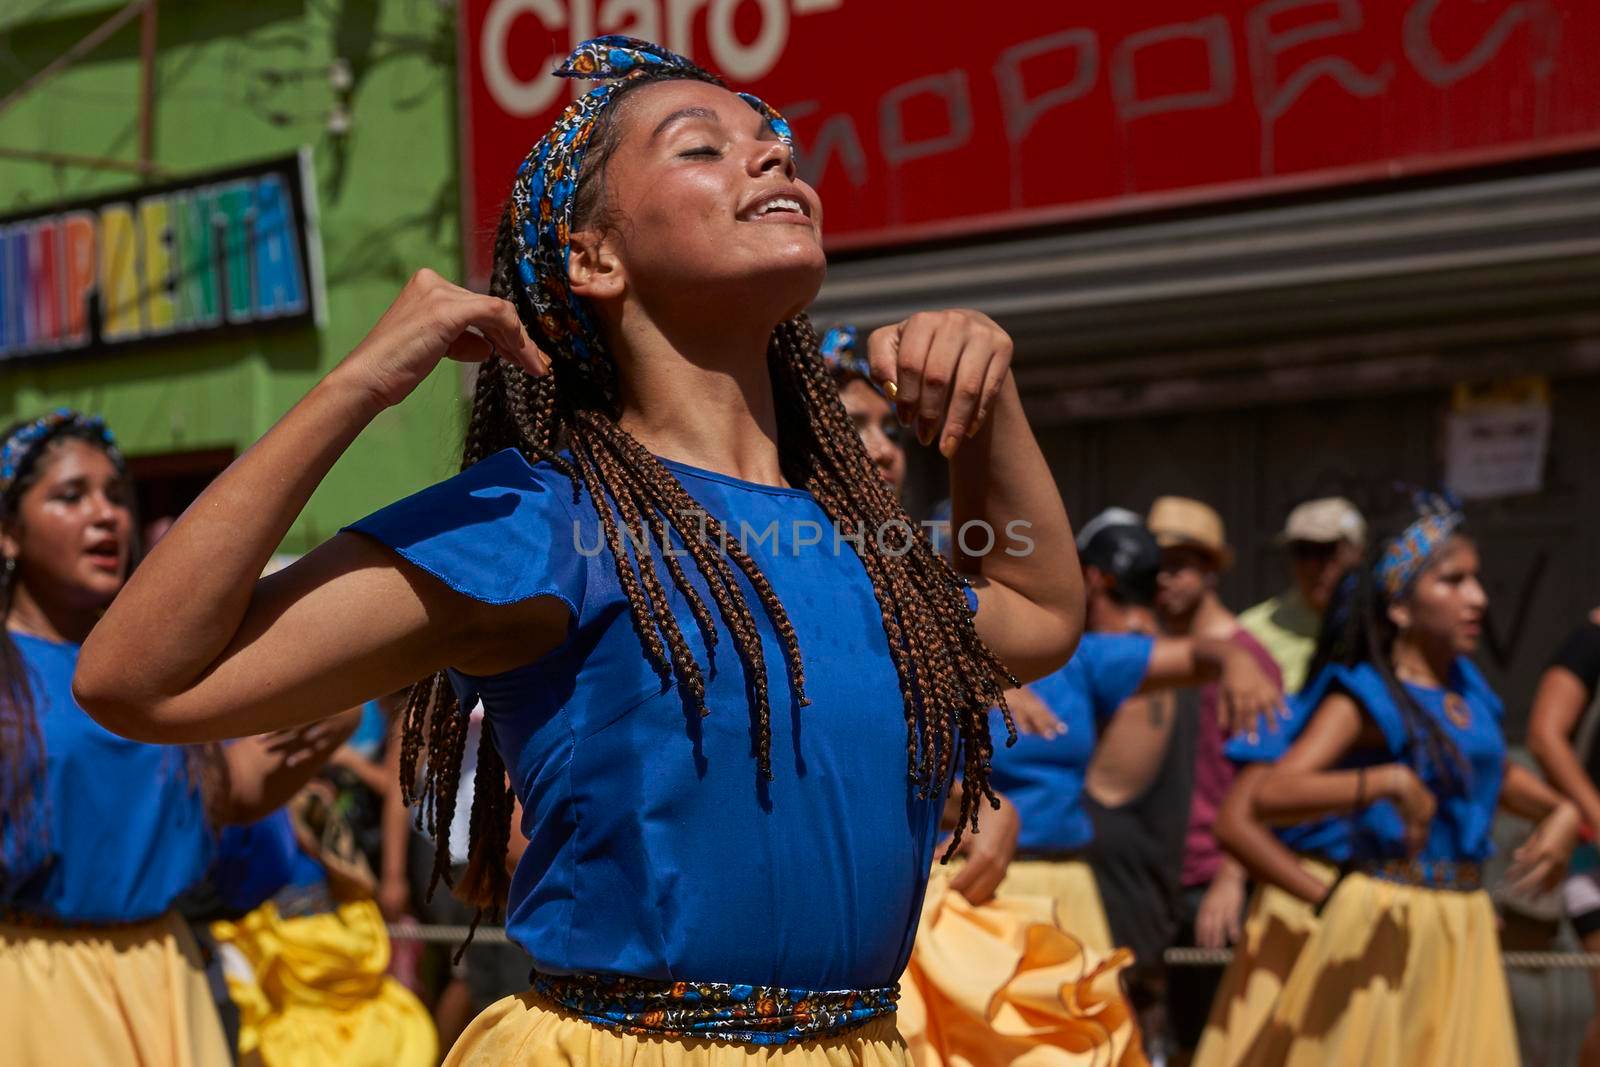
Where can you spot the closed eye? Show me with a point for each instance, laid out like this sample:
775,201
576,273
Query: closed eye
704,152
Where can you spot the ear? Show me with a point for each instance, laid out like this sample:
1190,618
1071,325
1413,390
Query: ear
594,270
1400,615
9,545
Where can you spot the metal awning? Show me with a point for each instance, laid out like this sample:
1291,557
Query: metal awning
1388,290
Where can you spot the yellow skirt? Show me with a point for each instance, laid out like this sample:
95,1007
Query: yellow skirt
123,996
522,1030
1396,976
313,990
1014,981
1277,928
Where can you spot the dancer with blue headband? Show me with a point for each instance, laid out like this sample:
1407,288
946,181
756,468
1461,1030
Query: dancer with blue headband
725,677
1405,738
100,836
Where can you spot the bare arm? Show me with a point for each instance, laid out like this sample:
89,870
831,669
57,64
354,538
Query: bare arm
1526,794
194,648
394,887
952,372
1301,786
1540,862
1257,847
1248,695
1557,706
263,772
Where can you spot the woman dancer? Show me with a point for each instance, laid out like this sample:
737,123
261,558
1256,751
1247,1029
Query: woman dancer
717,849
99,835
1293,867
1405,966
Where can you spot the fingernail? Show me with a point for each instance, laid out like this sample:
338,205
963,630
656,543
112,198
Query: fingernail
891,390
925,432
972,431
948,446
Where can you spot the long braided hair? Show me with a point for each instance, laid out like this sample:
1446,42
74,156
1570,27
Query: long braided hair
948,678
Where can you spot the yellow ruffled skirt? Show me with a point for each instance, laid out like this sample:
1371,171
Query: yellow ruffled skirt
1278,926
522,1030
314,990
1020,980
1395,976
121,996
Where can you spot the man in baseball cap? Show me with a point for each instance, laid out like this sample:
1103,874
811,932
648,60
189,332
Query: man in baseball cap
1325,538
1120,561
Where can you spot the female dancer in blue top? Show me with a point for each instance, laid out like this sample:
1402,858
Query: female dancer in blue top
716,848
1405,965
100,835
1293,865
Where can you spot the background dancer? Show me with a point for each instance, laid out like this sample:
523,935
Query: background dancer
1407,959
1293,866
717,850
99,836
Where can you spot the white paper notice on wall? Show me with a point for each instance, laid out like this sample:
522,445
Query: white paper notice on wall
1496,451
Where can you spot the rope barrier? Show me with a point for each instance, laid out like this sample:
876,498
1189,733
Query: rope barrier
1174,957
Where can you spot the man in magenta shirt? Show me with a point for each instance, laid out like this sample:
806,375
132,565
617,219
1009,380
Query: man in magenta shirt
1194,554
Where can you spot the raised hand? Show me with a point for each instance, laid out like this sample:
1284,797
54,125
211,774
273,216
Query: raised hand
943,369
431,320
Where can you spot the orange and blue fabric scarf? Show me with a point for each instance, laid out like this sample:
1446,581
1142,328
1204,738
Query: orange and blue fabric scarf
547,183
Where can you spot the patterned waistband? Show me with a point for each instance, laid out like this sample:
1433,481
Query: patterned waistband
747,1014
1431,874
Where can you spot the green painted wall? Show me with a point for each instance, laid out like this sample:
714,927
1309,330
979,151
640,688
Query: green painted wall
237,83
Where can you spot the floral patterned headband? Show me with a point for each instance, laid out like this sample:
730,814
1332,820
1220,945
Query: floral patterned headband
547,183
24,443
1438,519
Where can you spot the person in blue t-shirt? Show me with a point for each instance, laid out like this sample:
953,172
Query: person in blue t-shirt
726,678
99,835
1407,732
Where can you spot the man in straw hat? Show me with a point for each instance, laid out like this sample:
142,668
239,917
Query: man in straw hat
1194,555
1325,538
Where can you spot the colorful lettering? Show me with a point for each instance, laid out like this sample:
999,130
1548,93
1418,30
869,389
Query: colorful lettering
279,286
155,274
119,274
77,276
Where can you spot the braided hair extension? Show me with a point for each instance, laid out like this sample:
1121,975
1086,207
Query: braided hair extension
948,678
1356,629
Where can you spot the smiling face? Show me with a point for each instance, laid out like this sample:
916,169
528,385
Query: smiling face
700,208
73,534
880,431
1446,605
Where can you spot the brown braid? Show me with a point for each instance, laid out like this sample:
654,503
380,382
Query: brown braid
948,677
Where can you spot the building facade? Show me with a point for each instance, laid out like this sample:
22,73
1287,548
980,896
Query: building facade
354,101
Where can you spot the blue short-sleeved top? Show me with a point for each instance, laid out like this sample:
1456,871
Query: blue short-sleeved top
1461,828
1328,838
655,849
1042,777
119,829
256,861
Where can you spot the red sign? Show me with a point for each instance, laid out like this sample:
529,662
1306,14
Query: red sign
939,117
